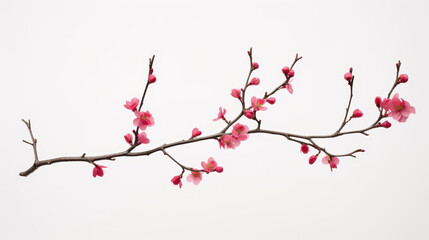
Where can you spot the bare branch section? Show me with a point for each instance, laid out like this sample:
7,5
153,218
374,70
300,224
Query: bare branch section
250,111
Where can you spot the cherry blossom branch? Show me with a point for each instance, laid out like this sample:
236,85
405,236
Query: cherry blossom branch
178,163
33,144
396,108
150,79
350,101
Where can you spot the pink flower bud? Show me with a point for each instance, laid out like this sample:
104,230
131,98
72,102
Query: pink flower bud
255,81
386,124
357,113
348,76
271,100
285,70
177,180
195,132
351,70
377,101
219,169
142,137
129,139
152,78
236,93
132,105
312,159
249,114
403,78
304,148
255,65
98,170
291,73
151,71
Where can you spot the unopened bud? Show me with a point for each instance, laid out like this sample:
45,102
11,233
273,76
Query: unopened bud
403,78
386,124
152,78
285,70
348,76
255,65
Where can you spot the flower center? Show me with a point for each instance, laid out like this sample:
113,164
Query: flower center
195,174
399,107
209,166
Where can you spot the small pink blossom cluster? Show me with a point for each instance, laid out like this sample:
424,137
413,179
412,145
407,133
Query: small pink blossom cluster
397,108
239,133
289,74
195,176
332,161
142,121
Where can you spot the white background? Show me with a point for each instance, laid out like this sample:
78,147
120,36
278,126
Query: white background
69,66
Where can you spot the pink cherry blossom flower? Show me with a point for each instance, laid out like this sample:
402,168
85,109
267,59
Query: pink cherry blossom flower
177,180
304,148
236,93
228,141
132,105
249,114
219,169
152,78
221,114
400,109
240,132
255,65
257,104
195,133
143,138
194,177
357,113
333,161
377,101
255,81
291,73
129,138
285,70
271,100
403,78
143,120
288,86
210,165
312,159
348,76
98,170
